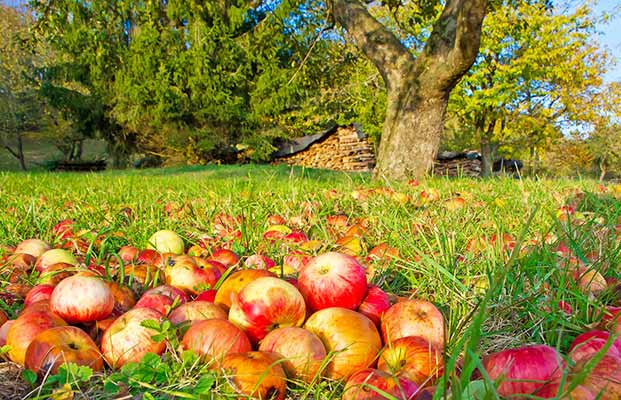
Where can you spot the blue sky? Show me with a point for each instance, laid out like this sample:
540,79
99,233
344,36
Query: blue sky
612,34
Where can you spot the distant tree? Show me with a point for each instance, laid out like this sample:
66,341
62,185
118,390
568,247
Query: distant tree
20,109
537,71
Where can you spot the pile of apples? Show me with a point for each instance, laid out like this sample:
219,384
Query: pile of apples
259,330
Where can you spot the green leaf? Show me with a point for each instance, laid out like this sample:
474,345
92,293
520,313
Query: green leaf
151,324
29,376
205,383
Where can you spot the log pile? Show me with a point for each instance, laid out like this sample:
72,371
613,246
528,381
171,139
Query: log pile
457,167
345,149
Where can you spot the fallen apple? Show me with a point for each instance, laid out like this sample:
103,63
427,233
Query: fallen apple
372,384
213,339
414,318
256,374
81,298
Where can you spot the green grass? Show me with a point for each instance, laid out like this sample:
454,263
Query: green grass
492,299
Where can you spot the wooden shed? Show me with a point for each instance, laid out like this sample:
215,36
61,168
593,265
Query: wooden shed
343,148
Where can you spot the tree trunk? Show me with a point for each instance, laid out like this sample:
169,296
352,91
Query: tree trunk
488,155
418,89
20,153
602,174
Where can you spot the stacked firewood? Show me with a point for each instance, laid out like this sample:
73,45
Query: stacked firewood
344,151
457,167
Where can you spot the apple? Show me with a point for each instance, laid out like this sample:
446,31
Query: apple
554,390
155,301
213,339
375,303
33,247
414,358
524,370
276,220
166,241
604,380
207,295
126,340
25,328
208,265
296,261
175,294
225,257
589,281
128,254
98,328
350,336
265,304
236,282
586,345
333,280
22,262
414,318
55,273
3,318
183,273
55,256
196,311
148,256
256,374
4,331
38,293
63,344
302,350
259,261
124,298
372,384
81,298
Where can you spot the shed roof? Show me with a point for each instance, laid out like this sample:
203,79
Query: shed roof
293,146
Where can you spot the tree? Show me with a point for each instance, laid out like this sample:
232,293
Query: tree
418,87
20,109
538,71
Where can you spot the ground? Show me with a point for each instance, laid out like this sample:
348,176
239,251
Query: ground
496,256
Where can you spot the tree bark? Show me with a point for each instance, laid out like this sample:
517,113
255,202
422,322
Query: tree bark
19,153
488,155
602,169
418,89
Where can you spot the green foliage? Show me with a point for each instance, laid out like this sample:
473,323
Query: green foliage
538,70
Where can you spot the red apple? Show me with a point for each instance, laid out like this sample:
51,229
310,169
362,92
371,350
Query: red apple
524,370
303,351
128,254
375,303
554,390
208,265
207,295
604,380
213,339
183,273
196,311
236,282
4,331
158,302
33,247
175,294
333,280
54,256
63,344
25,328
149,256
265,304
414,318
371,384
259,261
225,257
3,317
350,336
414,358
296,261
586,345
166,241
126,340
38,293
81,298
124,298
256,374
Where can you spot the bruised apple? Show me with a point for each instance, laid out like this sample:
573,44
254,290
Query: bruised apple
82,298
256,374
372,384
196,311
213,339
302,350
63,344
265,304
126,340
333,280
350,336
414,318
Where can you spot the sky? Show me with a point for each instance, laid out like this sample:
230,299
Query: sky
611,35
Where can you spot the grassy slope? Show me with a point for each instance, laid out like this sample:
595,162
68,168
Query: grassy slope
515,309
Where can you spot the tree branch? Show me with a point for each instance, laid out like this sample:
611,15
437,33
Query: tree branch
454,41
377,42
